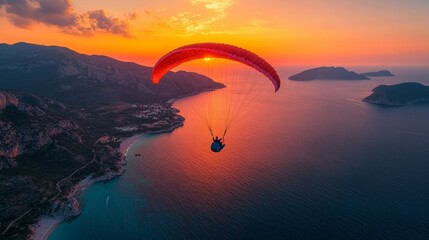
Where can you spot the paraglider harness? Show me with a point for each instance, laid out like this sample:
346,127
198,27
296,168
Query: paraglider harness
218,143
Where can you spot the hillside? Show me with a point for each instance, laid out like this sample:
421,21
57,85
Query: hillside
73,78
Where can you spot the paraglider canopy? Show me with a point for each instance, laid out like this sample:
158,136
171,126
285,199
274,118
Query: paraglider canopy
207,51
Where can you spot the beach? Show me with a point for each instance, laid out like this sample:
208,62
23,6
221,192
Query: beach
45,227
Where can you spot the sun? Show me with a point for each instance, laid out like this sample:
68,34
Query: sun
208,59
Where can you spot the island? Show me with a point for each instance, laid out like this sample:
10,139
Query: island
327,73
64,119
399,94
381,73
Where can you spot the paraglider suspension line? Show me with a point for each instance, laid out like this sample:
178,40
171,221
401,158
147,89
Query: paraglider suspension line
224,133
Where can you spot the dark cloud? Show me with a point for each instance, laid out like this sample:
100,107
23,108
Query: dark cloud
60,13
99,20
53,12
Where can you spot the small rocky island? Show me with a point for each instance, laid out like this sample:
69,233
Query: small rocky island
327,73
63,118
399,94
381,73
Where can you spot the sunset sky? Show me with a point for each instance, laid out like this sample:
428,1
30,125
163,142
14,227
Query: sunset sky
308,32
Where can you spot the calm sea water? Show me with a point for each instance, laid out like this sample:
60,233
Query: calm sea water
311,162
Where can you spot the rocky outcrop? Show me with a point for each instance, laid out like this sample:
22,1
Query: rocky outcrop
7,99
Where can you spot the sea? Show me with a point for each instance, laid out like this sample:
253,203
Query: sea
312,161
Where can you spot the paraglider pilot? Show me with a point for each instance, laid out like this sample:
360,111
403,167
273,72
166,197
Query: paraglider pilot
218,144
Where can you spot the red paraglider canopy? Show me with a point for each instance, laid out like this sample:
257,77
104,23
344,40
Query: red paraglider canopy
213,50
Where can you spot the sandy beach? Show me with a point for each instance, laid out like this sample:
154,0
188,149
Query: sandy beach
45,227
126,143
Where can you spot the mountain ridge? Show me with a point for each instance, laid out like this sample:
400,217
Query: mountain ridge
79,79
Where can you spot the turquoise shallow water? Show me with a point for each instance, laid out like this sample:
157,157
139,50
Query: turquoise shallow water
312,162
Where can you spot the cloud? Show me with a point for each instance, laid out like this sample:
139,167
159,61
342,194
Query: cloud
60,13
98,21
216,5
209,18
189,23
23,12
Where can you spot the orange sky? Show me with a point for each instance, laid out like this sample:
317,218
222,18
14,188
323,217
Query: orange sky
308,32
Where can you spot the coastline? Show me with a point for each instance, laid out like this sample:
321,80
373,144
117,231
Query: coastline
127,142
47,224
